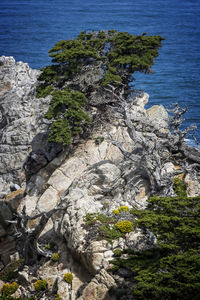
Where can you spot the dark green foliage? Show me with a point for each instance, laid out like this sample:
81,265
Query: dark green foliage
41,285
11,271
171,271
173,277
103,226
50,74
120,55
110,233
128,54
92,218
117,252
180,187
43,90
99,140
66,109
117,54
174,221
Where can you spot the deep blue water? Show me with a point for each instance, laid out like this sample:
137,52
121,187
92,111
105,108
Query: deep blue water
28,29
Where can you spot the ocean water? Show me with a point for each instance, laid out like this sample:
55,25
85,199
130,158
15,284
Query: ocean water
28,29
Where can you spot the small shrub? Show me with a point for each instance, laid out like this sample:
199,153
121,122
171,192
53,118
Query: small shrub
124,226
116,212
113,269
10,271
47,246
9,288
103,226
57,297
68,116
180,187
120,209
117,252
42,91
68,277
108,232
93,218
40,285
99,140
55,257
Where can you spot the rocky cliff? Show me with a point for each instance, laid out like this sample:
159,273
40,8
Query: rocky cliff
114,166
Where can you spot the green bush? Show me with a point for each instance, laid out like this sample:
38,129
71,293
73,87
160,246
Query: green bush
42,90
11,271
103,226
40,285
99,140
124,226
55,257
117,54
68,277
180,187
171,270
57,297
66,109
117,252
125,54
120,209
48,246
9,288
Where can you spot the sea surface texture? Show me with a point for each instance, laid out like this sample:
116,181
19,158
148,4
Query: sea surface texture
28,29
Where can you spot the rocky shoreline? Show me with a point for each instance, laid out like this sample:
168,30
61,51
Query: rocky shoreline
94,175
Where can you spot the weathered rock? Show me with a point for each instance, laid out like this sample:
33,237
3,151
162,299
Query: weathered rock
98,288
13,199
93,180
23,278
93,176
193,186
158,116
20,118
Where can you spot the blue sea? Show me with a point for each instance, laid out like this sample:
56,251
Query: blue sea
28,29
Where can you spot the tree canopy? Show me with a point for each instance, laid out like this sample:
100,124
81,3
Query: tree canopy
171,270
112,57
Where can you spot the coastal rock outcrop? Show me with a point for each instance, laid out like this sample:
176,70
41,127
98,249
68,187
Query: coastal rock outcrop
123,160
94,178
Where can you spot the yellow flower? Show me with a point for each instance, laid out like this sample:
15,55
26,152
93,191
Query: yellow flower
68,277
40,285
124,226
116,212
120,209
123,208
9,288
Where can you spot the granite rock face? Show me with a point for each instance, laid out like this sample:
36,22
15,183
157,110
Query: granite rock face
92,176
22,128
92,179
